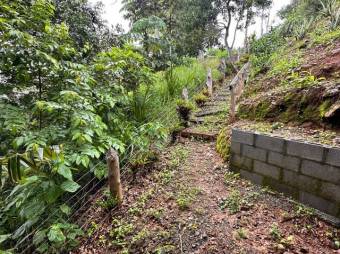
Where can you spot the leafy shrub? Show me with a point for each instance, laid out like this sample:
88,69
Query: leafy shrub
223,144
184,109
325,36
219,53
283,63
200,99
262,49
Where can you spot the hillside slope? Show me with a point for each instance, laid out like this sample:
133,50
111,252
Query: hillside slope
301,86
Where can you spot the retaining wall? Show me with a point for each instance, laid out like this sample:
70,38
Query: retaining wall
307,172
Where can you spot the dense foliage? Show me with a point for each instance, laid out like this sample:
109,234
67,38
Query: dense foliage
190,25
62,107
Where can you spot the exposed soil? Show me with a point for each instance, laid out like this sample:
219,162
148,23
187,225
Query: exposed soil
323,61
306,132
177,208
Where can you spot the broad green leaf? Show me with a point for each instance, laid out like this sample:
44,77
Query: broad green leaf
56,235
38,237
65,172
32,210
70,186
4,237
85,161
65,209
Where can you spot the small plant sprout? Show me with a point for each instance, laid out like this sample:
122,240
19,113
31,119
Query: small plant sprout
275,232
241,233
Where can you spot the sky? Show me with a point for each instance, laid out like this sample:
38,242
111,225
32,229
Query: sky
112,14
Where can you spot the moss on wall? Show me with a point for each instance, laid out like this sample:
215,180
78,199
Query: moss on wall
223,143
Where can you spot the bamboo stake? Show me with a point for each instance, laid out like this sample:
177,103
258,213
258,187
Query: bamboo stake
114,175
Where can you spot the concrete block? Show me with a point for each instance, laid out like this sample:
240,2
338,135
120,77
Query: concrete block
321,171
242,137
254,153
318,203
333,157
330,191
254,178
240,162
302,182
305,150
283,161
281,187
269,143
235,147
267,170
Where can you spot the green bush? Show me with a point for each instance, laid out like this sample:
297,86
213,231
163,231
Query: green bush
200,99
184,109
262,49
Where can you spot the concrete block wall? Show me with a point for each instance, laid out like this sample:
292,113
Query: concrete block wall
307,172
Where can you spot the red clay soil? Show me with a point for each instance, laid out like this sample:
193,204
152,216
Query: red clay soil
188,202
323,61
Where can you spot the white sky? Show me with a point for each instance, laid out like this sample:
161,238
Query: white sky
112,14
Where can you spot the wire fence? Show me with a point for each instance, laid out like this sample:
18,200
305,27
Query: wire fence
80,203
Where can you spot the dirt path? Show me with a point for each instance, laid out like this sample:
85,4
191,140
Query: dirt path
189,202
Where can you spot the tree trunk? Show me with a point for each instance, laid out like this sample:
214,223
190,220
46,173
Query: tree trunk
268,23
235,32
262,21
40,98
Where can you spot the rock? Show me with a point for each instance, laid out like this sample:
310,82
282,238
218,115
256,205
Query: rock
332,91
307,125
333,109
304,250
337,140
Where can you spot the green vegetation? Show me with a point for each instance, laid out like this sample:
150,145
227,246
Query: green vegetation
184,109
200,99
223,143
241,233
66,98
186,196
72,88
233,202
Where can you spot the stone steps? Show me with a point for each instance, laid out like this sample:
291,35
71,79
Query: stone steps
187,133
221,98
197,120
208,113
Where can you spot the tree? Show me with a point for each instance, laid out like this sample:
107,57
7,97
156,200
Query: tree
227,9
239,10
150,33
190,24
253,7
85,24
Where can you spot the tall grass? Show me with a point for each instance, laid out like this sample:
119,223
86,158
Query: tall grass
169,84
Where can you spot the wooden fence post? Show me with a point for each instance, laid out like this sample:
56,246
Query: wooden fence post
232,103
210,83
114,175
185,94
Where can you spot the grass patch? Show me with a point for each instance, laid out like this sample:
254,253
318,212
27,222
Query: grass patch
186,196
236,201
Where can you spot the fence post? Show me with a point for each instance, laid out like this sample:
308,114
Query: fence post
232,103
114,175
185,94
210,83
